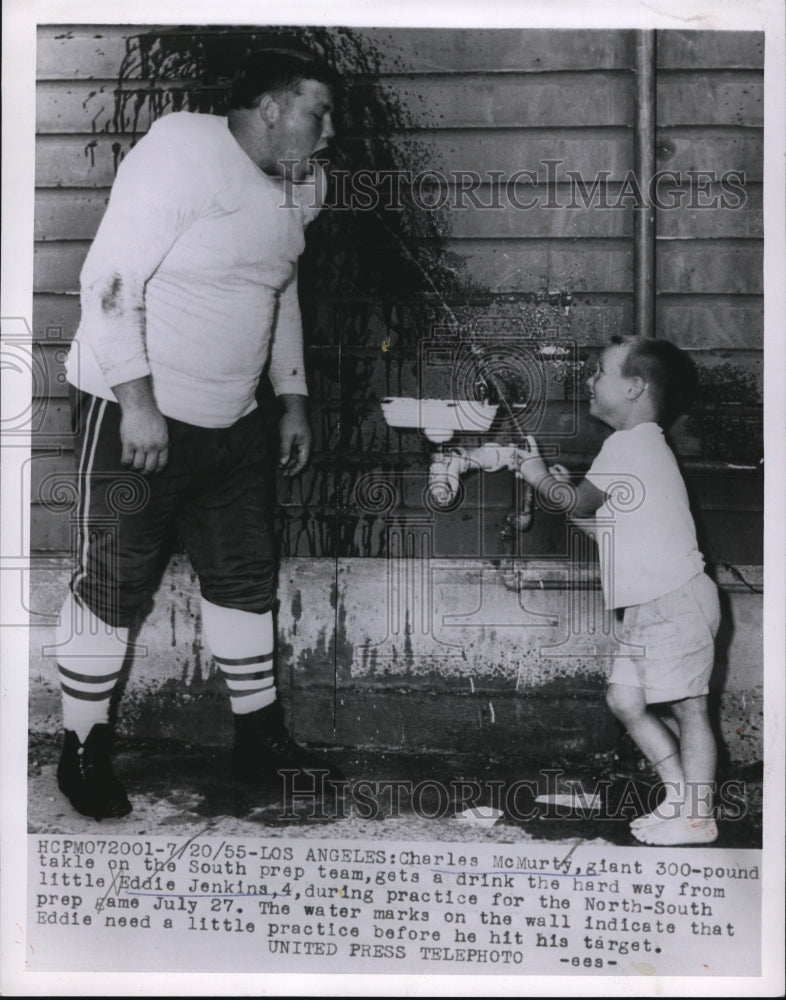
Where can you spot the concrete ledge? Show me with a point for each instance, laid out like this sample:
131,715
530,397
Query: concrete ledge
441,655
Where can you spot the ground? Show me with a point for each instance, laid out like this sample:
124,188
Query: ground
184,790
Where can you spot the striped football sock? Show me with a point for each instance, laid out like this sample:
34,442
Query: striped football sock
90,656
242,645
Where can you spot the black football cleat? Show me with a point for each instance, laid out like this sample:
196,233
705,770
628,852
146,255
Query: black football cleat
263,747
86,778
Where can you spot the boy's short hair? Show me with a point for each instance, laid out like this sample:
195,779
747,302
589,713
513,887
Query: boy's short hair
276,70
668,371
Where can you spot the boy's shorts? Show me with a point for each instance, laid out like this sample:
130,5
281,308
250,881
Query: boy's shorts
677,633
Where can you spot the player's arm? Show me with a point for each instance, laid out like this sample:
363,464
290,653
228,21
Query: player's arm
148,209
288,378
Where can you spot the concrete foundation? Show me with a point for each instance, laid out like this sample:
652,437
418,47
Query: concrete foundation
447,656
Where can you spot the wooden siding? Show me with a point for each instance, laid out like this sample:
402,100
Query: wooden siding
458,101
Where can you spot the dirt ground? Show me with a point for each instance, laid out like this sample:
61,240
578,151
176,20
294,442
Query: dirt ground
182,790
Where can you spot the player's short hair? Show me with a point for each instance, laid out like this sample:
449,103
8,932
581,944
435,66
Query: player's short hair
275,71
668,371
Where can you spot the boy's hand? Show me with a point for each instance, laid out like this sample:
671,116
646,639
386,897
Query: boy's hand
560,473
531,468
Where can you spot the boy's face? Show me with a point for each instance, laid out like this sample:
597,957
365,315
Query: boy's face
609,388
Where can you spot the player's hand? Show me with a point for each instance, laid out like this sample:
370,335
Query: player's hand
144,436
296,439
531,467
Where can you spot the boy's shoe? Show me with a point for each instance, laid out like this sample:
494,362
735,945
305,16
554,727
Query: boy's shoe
263,747
86,778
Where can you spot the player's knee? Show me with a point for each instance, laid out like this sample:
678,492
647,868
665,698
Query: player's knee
119,606
258,597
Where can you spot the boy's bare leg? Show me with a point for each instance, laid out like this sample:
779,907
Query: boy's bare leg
656,741
698,753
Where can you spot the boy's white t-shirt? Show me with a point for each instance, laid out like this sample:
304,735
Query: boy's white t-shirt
211,243
645,532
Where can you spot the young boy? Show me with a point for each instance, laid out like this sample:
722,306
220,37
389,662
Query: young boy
650,566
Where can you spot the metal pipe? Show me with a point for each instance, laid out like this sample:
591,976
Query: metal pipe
644,166
449,465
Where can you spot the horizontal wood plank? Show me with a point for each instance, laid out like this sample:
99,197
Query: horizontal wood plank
699,266
69,213
56,266
477,210
82,107
54,428
733,377
511,265
83,52
714,150
711,321
499,211
692,321
91,161
462,101
533,211
78,161
49,378
704,210
514,100
689,266
710,49
520,100
48,471
710,98
444,50
699,322
98,52
75,107
55,317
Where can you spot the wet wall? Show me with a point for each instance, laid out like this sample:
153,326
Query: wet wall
495,268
